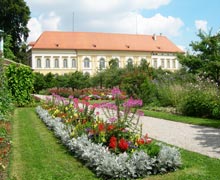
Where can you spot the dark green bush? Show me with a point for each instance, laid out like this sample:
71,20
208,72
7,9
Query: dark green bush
197,103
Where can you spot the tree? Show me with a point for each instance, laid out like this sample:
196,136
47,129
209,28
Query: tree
7,48
78,80
205,59
39,82
14,16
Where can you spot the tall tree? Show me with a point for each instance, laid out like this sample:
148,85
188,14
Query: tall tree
14,16
205,58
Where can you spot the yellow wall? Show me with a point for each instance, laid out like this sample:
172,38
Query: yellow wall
94,56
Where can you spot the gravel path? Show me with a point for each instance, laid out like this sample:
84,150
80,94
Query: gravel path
200,139
195,138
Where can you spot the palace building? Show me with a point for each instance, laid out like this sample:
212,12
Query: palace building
90,52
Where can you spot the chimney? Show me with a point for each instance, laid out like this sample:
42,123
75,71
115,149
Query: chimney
154,37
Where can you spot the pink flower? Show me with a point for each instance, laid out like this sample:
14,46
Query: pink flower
140,113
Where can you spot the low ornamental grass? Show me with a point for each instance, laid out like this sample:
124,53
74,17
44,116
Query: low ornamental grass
114,146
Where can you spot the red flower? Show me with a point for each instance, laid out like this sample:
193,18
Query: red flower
123,144
140,141
110,127
101,126
113,142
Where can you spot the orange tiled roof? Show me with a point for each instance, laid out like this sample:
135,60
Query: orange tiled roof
104,41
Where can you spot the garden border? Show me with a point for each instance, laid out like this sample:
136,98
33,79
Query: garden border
109,165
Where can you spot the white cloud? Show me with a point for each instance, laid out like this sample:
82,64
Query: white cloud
35,29
119,16
183,48
44,22
201,25
134,22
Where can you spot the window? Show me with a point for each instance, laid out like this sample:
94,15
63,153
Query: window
162,63
47,63
168,63
73,63
174,64
155,63
38,63
117,62
65,64
130,61
56,63
102,63
86,63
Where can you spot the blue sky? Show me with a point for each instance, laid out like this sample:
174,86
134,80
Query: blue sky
179,20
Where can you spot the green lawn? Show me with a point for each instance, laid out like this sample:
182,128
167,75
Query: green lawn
184,119
38,155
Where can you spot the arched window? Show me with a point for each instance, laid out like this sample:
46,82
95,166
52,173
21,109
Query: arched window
65,64
47,63
73,63
86,63
38,63
56,63
102,63
130,61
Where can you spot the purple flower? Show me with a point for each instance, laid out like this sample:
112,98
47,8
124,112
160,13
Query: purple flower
133,103
112,119
108,105
116,91
71,97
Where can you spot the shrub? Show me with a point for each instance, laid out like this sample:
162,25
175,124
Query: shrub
201,99
20,83
6,104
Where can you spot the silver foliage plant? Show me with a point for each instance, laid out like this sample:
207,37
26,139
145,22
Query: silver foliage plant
109,165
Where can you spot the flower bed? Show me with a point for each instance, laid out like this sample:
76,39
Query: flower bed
93,93
113,147
5,146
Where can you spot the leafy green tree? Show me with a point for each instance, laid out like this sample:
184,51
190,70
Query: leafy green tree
50,80
14,16
78,80
39,82
205,58
113,63
7,48
62,80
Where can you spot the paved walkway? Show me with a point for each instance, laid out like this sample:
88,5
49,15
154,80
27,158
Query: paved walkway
200,139
195,138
